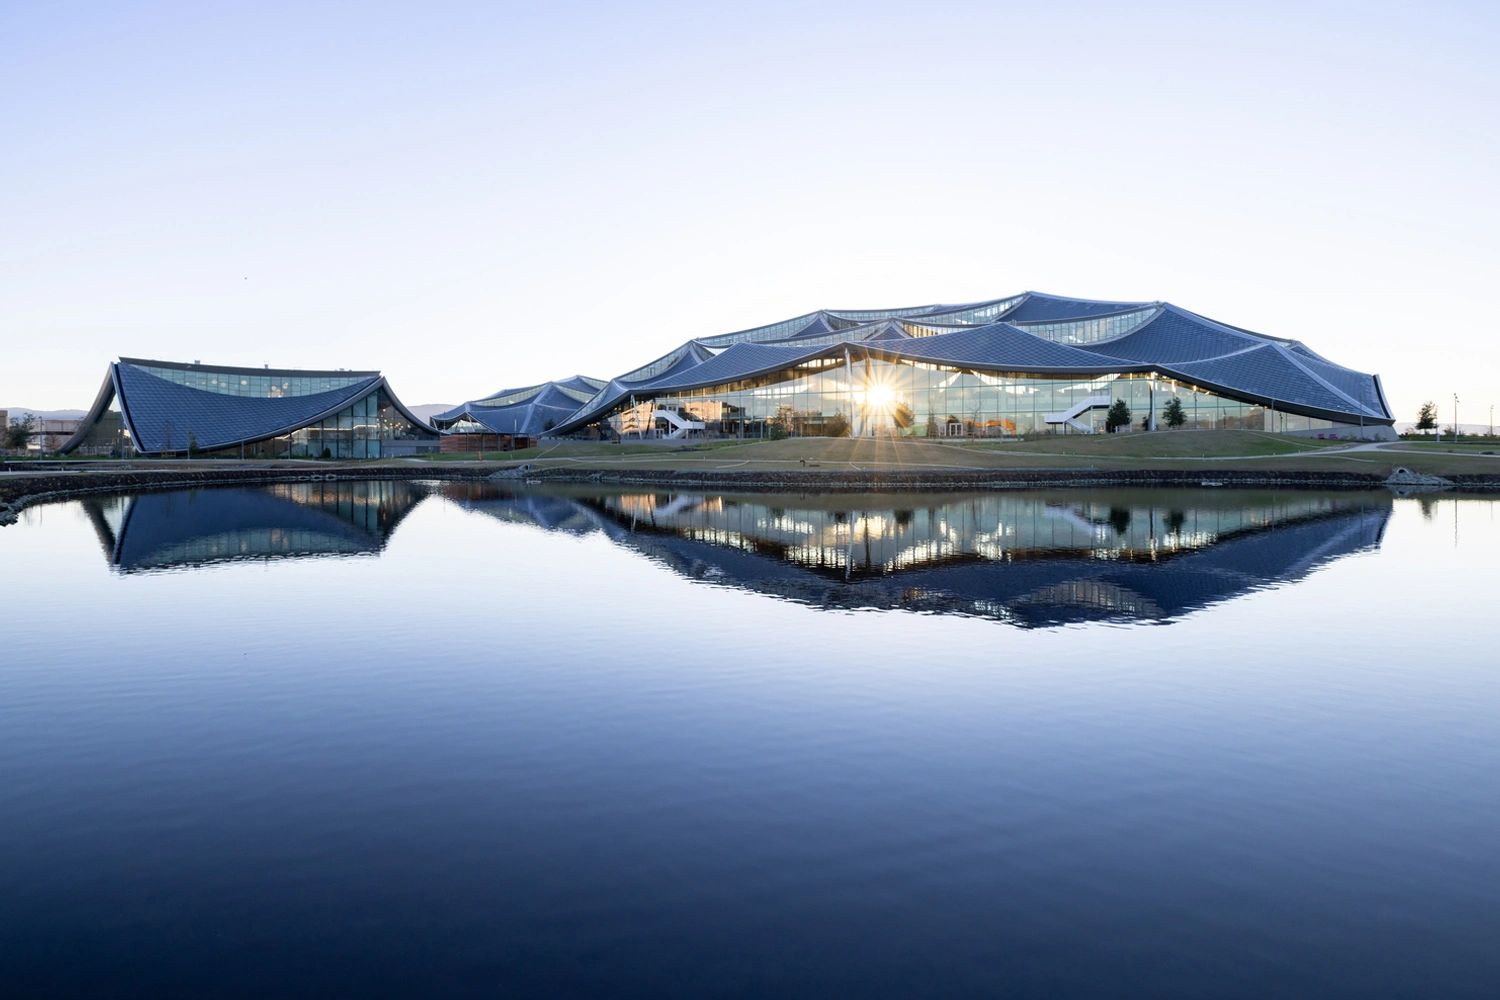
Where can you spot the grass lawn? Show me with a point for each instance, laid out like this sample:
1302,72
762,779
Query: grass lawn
1202,450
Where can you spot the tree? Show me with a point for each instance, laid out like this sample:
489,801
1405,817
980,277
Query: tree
1427,417
549,424
837,425
902,416
18,434
1118,416
1173,413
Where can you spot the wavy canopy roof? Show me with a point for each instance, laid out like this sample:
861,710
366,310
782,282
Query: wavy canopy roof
161,413
1030,333
529,410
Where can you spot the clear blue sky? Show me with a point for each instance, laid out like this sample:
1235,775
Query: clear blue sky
471,196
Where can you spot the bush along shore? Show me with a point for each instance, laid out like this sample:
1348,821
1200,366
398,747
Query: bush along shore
21,491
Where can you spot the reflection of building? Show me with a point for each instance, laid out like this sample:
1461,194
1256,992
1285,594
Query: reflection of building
1031,558
1024,364
541,510
167,408
224,524
514,417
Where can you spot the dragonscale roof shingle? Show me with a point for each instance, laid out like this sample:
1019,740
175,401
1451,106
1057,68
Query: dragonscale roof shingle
163,415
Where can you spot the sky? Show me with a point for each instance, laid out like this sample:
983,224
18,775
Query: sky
477,196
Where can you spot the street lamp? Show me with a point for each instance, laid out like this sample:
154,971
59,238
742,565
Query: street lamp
1455,418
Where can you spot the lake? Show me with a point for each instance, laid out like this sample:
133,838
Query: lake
395,739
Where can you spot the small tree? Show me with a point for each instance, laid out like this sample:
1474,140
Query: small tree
1173,412
192,445
1118,416
1427,417
902,416
837,425
18,434
550,423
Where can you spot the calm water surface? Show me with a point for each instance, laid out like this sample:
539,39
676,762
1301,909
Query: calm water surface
407,740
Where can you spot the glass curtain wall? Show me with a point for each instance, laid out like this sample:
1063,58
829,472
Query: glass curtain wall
108,437
354,432
872,397
266,386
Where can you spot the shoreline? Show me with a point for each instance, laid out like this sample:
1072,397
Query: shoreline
18,491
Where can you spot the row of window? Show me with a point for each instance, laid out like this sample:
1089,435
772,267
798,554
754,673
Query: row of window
357,431
920,400
519,396
258,386
1091,331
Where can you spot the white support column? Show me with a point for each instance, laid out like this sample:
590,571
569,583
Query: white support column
849,370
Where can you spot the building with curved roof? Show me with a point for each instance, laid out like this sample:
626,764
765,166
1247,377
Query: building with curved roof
528,411
171,408
1024,364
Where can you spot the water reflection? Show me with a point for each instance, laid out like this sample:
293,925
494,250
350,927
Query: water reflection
1029,558
154,531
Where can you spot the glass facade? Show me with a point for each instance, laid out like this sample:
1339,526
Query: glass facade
873,397
759,334
506,399
1092,330
656,367
264,385
979,315
108,438
360,430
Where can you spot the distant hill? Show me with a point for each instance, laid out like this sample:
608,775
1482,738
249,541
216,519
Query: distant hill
426,410
21,411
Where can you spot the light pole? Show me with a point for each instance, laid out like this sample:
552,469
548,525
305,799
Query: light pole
1455,418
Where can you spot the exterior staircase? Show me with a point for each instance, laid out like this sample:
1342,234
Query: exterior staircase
680,424
1070,417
